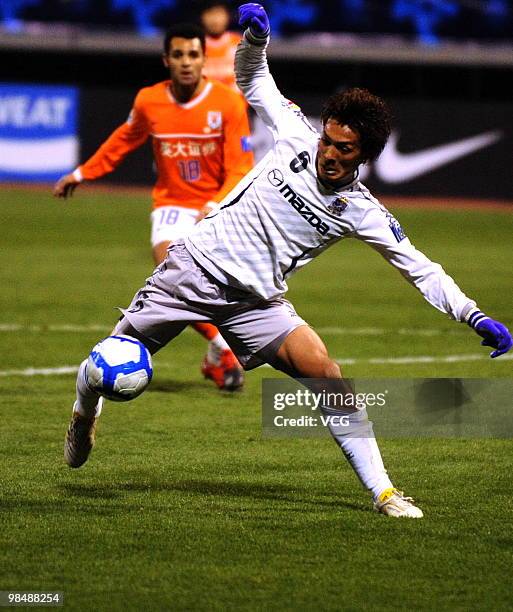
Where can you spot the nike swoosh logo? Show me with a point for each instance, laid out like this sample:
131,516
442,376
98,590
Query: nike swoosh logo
395,167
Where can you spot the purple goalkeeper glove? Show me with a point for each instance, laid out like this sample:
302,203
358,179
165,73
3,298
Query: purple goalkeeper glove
254,16
495,334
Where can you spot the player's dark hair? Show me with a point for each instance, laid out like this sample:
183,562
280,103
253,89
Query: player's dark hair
205,5
184,30
364,112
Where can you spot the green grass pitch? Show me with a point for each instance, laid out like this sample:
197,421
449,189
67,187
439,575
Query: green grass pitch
183,505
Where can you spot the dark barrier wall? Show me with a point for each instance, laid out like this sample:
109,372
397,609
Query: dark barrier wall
103,110
452,133
450,148
437,148
444,148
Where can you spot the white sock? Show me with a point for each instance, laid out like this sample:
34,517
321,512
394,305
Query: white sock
87,403
360,448
215,347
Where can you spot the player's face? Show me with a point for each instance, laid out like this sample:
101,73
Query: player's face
185,61
215,20
339,153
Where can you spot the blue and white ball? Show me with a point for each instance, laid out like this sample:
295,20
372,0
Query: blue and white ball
119,368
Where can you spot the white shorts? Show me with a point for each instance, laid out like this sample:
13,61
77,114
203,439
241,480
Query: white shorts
170,223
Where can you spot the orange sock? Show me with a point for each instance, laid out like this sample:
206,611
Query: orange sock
207,330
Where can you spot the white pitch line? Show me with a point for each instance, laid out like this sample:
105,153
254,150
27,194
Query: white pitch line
414,359
16,327
329,331
376,331
421,359
40,371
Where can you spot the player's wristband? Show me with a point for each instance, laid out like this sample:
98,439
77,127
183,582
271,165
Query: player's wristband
77,175
256,39
474,317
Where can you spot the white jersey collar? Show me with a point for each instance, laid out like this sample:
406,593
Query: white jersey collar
325,190
195,101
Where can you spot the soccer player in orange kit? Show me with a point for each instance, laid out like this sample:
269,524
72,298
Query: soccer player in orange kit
200,136
221,43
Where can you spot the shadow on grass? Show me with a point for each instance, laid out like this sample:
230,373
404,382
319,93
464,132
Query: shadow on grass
225,489
176,386
104,499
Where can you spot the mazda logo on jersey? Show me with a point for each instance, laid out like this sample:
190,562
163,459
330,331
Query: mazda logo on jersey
305,211
299,163
275,177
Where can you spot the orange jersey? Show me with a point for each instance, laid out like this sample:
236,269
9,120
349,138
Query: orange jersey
221,57
201,148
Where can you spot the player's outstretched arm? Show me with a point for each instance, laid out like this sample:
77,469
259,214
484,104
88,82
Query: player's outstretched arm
380,230
125,139
252,71
65,186
495,334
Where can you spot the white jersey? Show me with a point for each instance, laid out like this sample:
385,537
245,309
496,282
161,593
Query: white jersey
279,217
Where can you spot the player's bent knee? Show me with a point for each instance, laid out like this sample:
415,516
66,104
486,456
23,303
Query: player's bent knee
330,369
319,366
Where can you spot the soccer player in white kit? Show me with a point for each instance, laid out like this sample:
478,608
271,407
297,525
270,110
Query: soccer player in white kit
232,268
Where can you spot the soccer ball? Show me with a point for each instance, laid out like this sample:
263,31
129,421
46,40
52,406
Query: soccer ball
119,368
